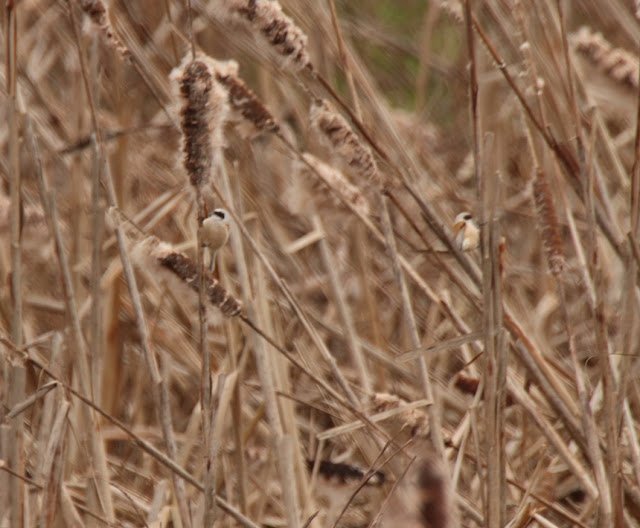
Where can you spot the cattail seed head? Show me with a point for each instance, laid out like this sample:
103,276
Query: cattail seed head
547,222
336,132
425,498
617,64
159,258
163,263
266,20
346,473
203,114
187,270
242,99
99,15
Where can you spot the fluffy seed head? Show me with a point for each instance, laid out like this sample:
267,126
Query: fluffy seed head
267,21
162,260
425,498
243,101
337,134
547,222
202,117
618,64
99,15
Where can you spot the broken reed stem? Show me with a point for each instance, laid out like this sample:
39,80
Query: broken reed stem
547,220
158,384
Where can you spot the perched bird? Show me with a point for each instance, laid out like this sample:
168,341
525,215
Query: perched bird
466,232
215,233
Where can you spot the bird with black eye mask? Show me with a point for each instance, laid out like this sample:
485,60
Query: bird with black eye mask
214,233
466,232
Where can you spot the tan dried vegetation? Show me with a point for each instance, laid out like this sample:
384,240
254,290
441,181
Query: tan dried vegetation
345,365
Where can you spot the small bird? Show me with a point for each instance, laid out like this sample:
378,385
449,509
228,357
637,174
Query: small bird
215,233
466,232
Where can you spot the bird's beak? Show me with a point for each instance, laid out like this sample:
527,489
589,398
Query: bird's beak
457,227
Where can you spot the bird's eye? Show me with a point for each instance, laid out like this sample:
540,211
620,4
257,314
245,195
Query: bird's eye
220,213
467,217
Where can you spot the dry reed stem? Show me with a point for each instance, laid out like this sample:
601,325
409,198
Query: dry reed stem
14,376
495,358
545,207
97,233
344,59
245,285
29,401
53,463
281,422
609,386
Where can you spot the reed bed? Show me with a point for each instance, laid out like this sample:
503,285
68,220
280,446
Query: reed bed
346,363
